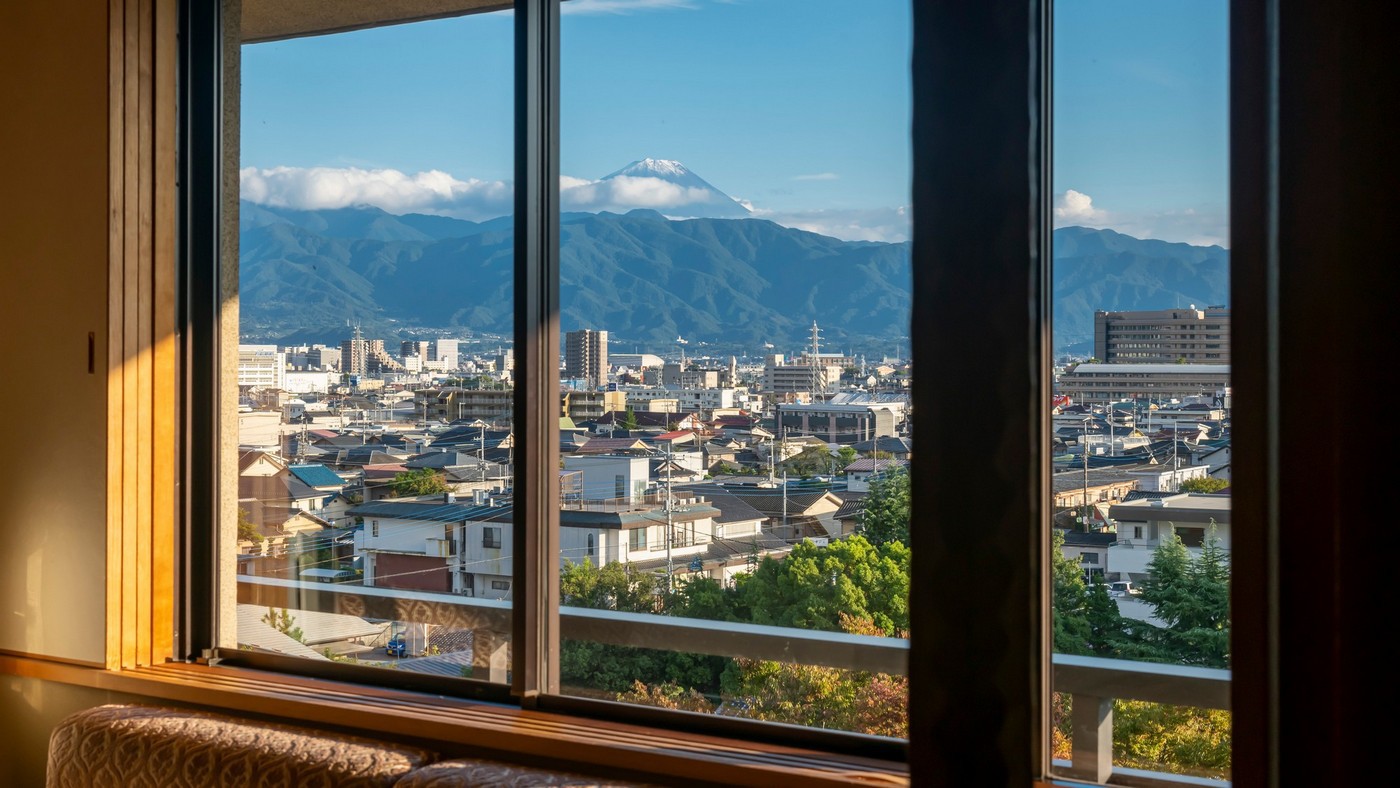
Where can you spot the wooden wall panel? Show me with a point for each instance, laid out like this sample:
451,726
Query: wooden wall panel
141,405
54,252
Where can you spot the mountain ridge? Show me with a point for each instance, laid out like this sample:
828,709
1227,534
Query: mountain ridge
648,278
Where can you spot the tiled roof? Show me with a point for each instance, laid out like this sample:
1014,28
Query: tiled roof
866,464
886,443
732,508
609,445
316,475
279,488
432,511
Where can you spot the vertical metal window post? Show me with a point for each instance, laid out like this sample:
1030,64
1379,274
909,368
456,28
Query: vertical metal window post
978,665
200,224
535,639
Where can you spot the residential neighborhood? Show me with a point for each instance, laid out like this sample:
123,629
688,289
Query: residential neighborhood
398,474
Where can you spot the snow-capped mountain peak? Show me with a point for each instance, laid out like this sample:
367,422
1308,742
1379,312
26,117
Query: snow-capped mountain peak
654,167
697,198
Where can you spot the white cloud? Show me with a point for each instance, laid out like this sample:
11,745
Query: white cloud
437,192
620,6
820,176
433,191
625,192
1074,207
1198,227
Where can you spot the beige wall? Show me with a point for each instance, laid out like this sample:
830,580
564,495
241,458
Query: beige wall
54,258
29,710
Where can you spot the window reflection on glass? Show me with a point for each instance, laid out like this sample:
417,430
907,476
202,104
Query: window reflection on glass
1141,414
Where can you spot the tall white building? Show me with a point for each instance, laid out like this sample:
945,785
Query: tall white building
262,367
445,351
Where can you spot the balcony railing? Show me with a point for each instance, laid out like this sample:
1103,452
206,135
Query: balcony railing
1093,683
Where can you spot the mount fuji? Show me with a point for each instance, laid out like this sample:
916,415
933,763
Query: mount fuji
693,197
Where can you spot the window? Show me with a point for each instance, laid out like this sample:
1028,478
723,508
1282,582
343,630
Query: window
374,269
592,550
500,585
684,245
637,539
1122,137
1013,351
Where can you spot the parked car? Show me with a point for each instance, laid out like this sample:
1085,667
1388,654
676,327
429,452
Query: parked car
396,647
1123,588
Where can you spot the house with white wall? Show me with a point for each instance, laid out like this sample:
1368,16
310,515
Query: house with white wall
614,477
1144,523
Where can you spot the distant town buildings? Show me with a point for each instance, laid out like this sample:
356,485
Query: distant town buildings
1164,336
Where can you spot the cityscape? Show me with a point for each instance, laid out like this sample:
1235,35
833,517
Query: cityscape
700,486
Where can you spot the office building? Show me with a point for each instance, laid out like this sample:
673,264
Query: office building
1163,336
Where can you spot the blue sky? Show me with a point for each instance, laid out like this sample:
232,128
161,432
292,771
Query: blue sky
800,108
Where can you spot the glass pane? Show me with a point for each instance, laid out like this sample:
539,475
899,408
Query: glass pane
1141,417
374,458
735,293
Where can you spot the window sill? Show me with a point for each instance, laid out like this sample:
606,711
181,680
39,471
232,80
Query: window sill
505,731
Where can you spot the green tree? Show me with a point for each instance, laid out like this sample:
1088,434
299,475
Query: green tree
613,586
845,456
615,669
667,696
809,462
1191,597
1205,484
247,530
1069,621
421,481
282,621
886,515
629,419
859,701
814,586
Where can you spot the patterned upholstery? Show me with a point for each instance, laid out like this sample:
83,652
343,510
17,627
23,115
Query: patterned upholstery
144,747
472,773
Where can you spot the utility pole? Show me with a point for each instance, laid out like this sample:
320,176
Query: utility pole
1085,452
670,524
785,515
1111,451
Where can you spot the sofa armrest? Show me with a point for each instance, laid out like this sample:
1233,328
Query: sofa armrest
117,746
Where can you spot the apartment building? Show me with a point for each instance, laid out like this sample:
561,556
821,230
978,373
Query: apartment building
1163,336
844,424
782,378
590,405
452,403
367,357
586,356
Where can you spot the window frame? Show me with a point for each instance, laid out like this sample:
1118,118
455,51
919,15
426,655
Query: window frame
993,59
535,583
